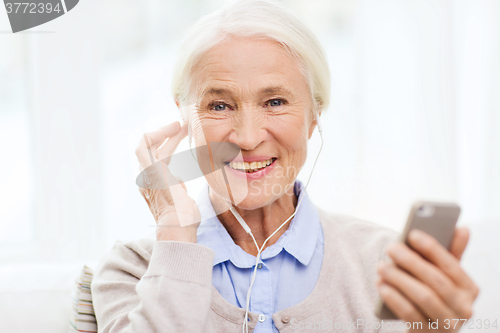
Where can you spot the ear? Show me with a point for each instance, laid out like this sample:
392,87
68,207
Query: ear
179,107
311,128
314,123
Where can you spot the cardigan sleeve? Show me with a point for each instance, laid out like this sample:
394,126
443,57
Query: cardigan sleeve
165,290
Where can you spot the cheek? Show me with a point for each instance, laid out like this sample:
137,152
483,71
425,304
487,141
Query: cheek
208,130
292,136
291,139
293,142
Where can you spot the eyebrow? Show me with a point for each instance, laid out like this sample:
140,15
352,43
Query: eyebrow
215,91
263,91
275,89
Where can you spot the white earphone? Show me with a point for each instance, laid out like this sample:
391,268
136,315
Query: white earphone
318,122
249,231
240,219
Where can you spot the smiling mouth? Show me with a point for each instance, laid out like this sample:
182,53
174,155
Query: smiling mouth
250,167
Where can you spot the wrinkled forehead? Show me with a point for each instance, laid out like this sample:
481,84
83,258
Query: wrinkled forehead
247,65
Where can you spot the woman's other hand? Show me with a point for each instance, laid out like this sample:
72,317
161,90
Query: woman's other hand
425,282
177,215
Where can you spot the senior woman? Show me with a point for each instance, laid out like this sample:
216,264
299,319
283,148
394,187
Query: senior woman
252,75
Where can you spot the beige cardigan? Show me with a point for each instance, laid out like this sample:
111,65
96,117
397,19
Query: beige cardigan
166,286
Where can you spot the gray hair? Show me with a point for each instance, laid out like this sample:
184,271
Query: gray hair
261,19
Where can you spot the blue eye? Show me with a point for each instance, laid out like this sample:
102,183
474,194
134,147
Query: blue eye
276,102
220,107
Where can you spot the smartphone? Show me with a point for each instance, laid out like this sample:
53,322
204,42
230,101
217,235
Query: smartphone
438,219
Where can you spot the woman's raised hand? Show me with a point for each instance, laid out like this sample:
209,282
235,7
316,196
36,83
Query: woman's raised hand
177,215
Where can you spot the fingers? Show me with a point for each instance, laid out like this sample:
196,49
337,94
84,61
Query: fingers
426,279
433,251
157,176
171,128
167,149
165,194
182,183
431,276
423,297
459,243
177,198
171,192
149,142
166,191
398,304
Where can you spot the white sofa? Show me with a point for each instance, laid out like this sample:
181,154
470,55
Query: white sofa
38,297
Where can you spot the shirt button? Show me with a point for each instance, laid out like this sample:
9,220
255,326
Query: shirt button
262,318
285,319
259,265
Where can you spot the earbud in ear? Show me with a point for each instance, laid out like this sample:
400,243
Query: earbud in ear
318,121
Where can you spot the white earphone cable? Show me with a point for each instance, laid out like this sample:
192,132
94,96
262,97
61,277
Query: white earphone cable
248,230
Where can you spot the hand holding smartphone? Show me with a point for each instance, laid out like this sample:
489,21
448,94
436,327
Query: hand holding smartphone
437,219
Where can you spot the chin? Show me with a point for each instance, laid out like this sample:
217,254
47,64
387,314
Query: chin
244,197
261,194
252,202
249,194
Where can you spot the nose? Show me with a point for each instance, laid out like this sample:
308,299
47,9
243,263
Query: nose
248,129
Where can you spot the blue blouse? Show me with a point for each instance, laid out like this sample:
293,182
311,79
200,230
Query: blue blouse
288,269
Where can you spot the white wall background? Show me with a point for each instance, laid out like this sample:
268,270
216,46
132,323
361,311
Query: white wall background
415,114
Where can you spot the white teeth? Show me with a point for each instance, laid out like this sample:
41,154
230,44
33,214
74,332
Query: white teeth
250,167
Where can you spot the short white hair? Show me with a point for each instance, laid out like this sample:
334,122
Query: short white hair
261,19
